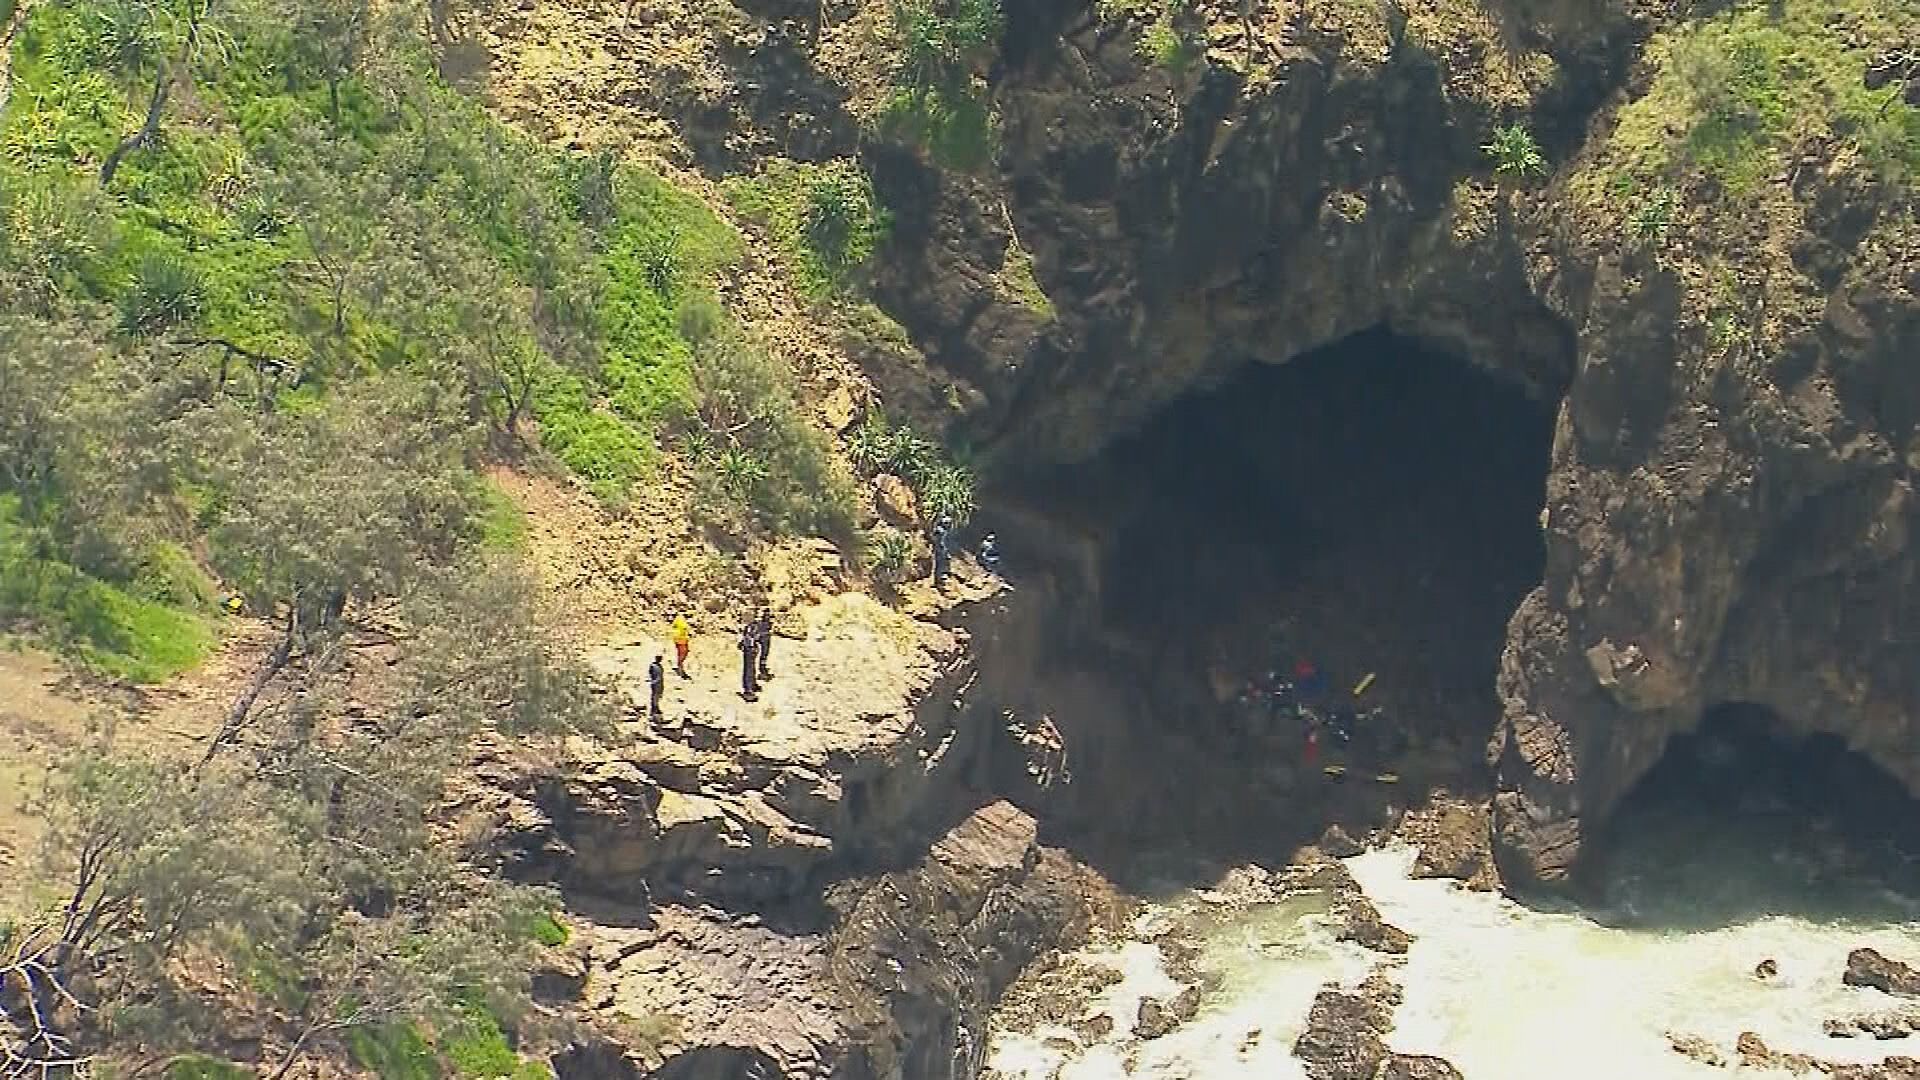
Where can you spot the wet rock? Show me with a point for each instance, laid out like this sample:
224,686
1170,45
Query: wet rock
1893,1068
1337,843
1344,1038
1418,1067
1157,1017
1697,1048
1094,1028
1883,1026
1755,1054
1365,927
1455,839
1766,969
1866,967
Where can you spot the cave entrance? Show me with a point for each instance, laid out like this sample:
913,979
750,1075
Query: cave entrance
1743,817
1372,505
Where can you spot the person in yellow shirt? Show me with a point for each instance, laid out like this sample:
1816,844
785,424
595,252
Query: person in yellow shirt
682,641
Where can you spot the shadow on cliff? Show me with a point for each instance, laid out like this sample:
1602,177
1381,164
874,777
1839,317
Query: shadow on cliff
1743,819
1372,507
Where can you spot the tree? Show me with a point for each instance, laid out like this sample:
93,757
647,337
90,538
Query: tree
471,324
332,39
350,501
177,37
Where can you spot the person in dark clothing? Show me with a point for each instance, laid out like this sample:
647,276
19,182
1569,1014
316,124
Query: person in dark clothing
749,646
763,632
1340,722
990,554
1282,700
942,551
1310,681
656,685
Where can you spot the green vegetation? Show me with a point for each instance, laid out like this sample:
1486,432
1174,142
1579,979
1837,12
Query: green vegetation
1169,37
1516,155
547,930
754,447
943,488
500,523
1652,218
1017,277
941,103
889,553
128,633
267,332
825,219
394,1051
1737,93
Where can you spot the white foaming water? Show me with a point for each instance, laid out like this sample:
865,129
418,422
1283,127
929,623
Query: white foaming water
1270,961
1503,991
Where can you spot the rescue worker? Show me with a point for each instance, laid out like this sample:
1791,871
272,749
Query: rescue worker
749,646
763,631
1340,721
682,641
1310,681
942,551
656,685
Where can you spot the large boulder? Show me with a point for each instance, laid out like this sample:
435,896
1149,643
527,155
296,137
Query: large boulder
1866,967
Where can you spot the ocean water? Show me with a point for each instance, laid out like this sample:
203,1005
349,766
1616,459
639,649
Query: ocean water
1511,992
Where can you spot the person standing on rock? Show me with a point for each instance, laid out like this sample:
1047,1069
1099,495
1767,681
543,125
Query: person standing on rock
749,646
763,633
942,551
682,641
656,685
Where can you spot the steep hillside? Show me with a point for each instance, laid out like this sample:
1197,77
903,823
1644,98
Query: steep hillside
379,381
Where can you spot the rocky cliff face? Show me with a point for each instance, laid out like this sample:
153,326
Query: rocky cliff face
1731,501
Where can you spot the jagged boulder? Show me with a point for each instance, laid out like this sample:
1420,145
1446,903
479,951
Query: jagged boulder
1158,1017
1866,967
1418,1067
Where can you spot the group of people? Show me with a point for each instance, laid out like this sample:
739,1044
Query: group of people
756,634
941,539
1325,717
756,651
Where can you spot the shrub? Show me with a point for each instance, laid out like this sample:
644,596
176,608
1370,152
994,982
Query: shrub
952,124
546,929
1168,46
945,44
1515,153
825,219
741,472
112,630
1652,218
941,38
946,491
777,460
888,553
393,1052
943,488
165,292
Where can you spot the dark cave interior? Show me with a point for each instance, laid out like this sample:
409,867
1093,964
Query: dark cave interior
1742,817
1372,506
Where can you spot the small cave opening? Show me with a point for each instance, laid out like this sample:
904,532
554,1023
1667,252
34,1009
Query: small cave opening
1744,817
1371,507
